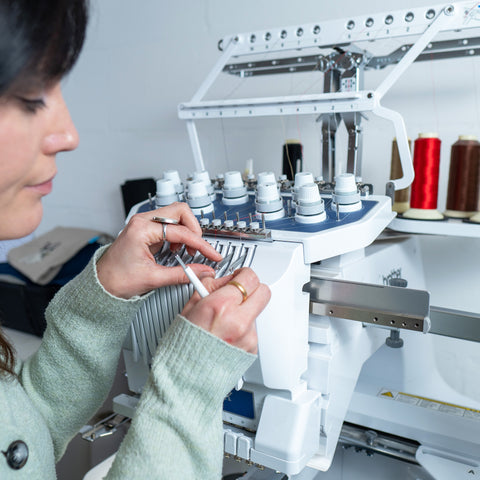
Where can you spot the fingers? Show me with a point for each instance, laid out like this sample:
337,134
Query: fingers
187,232
211,284
225,292
239,326
256,302
182,213
225,313
128,267
243,283
176,275
179,234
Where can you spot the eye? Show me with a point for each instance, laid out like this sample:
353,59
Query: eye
31,105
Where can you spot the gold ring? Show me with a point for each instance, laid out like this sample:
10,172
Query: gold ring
240,287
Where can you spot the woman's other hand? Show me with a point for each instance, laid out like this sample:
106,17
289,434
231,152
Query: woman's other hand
128,267
226,312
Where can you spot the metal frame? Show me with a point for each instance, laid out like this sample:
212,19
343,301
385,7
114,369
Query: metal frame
423,21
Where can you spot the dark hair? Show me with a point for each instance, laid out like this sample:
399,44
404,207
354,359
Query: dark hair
40,41
7,356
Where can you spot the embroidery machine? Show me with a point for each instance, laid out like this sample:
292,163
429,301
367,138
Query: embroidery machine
349,344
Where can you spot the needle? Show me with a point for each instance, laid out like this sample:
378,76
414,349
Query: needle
197,284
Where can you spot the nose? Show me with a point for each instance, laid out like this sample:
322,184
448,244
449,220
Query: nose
62,136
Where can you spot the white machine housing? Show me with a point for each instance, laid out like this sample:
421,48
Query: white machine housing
337,293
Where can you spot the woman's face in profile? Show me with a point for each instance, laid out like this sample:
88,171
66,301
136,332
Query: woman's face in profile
34,127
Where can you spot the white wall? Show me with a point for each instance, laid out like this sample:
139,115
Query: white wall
142,58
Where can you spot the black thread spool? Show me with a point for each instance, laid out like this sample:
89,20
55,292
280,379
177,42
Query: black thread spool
463,196
292,161
401,200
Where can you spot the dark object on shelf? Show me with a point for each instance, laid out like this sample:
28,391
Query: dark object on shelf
137,190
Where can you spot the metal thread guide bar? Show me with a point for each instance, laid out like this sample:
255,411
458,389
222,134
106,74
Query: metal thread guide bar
239,234
240,230
463,47
393,307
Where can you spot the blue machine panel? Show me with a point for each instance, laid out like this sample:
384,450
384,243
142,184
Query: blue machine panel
240,402
287,223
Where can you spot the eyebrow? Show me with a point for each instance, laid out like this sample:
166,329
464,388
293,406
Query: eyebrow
28,83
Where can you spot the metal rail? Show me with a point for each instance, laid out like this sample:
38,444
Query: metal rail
455,323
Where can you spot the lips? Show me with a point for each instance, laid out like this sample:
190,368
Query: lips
43,188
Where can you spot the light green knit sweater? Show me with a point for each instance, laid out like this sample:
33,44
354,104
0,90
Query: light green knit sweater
177,430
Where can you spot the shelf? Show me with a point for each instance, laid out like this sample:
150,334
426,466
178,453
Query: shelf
451,227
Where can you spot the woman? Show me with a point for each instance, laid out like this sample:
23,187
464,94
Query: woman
43,402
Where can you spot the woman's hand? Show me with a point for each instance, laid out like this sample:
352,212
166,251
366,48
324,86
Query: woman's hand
128,267
225,313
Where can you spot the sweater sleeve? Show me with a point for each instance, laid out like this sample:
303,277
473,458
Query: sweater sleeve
72,372
177,429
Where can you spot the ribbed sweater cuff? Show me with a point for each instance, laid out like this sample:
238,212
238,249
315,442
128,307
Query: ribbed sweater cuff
196,361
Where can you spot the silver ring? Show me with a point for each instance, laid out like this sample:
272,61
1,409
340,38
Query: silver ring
165,232
165,220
